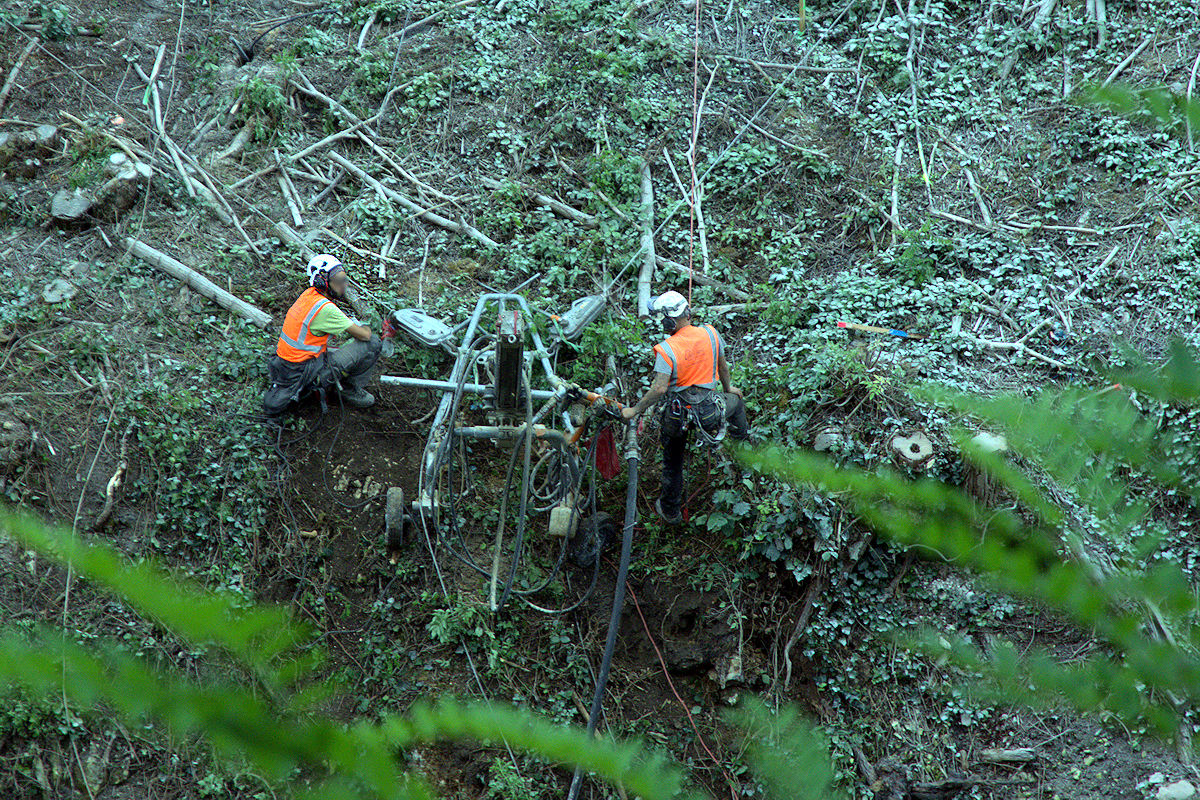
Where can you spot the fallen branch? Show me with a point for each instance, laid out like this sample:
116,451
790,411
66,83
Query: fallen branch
1028,226
289,236
238,144
1119,68
290,195
1108,259
404,32
596,190
557,206
287,198
794,67
336,107
779,140
308,175
647,272
683,192
387,251
195,280
421,273
703,280
1016,347
1191,87
347,133
403,173
114,483
983,209
16,70
961,220
895,217
728,308
810,600
337,181
368,254
1043,16
424,214
366,30
1019,755
204,186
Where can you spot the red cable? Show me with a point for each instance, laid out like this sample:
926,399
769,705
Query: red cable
729,778
692,149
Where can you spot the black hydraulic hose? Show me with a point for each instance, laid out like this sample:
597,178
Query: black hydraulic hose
465,555
524,504
614,621
444,453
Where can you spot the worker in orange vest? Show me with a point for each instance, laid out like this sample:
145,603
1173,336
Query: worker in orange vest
303,361
688,369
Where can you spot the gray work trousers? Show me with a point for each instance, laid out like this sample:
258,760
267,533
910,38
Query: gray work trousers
355,360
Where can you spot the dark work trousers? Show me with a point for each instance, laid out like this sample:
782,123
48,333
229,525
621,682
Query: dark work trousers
674,443
352,364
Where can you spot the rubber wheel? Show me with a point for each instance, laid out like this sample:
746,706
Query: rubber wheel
592,537
394,519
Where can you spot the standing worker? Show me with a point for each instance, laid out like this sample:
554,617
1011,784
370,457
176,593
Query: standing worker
301,363
688,368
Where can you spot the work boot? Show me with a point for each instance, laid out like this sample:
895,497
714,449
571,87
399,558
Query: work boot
675,520
743,437
358,397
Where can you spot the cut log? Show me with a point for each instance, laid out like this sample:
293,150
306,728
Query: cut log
177,269
1019,755
647,273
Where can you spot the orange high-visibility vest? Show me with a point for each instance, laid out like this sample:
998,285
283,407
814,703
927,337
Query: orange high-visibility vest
296,343
692,353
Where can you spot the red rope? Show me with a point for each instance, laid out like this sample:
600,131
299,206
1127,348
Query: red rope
692,149
729,778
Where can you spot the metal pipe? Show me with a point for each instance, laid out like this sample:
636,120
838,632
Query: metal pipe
507,434
447,386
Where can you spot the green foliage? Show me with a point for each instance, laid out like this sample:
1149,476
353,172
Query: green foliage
55,19
740,167
621,336
1088,445
264,102
315,40
1159,105
275,728
787,753
506,782
651,111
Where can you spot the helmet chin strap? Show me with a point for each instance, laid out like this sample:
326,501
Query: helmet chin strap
671,324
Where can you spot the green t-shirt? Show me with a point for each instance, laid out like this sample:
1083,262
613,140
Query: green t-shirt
329,321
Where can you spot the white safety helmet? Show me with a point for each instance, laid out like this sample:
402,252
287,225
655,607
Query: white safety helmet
320,268
671,304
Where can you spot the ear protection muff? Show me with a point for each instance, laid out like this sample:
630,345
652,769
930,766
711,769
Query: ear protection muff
320,268
669,325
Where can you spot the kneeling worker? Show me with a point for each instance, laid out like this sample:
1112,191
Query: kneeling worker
301,363
689,367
